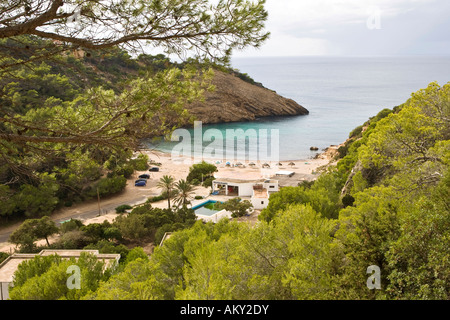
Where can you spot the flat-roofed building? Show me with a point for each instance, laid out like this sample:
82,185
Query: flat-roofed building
10,265
260,198
259,190
241,187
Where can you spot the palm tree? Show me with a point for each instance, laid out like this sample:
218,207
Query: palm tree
185,191
167,185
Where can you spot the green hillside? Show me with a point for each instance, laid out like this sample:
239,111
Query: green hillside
51,107
385,204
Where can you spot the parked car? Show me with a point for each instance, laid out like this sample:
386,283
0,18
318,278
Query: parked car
140,183
154,169
144,176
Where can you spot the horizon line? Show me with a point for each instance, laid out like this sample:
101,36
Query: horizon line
346,56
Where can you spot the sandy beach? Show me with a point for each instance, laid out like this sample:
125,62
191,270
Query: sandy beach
178,167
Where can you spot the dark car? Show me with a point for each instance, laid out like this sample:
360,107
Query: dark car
140,183
144,176
154,169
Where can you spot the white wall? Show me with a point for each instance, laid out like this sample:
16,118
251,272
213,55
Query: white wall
216,217
274,186
260,203
245,189
4,290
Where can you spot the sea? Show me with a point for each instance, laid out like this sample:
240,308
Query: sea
340,93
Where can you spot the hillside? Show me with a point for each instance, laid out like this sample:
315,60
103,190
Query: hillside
383,207
54,153
236,97
237,100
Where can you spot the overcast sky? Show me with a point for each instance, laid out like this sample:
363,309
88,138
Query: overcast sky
356,28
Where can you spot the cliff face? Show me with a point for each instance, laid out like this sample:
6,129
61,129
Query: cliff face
235,100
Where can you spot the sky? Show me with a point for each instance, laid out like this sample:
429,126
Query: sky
355,28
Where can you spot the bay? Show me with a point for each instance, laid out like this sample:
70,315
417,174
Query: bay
340,93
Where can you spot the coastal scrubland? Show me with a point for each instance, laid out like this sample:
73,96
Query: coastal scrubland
384,204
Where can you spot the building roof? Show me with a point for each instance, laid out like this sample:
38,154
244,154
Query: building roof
260,193
240,174
10,265
232,180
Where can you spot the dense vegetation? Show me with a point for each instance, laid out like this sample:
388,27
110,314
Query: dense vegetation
74,108
143,225
202,173
60,97
386,203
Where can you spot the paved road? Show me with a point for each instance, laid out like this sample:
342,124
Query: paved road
86,214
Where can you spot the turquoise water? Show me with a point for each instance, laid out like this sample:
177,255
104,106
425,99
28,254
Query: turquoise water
341,93
201,210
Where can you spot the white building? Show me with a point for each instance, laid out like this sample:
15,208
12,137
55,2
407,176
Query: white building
258,189
260,199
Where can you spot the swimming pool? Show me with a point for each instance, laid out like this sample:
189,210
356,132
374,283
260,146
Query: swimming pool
205,208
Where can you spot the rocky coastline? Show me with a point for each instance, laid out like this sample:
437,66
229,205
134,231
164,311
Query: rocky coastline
235,100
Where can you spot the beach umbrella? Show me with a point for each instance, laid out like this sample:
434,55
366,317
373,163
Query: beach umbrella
239,164
292,164
251,164
279,164
266,165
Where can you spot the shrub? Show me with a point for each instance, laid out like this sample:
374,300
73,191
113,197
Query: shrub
72,224
123,208
201,171
381,115
145,222
106,186
342,150
356,132
3,256
112,233
132,226
348,200
75,239
104,246
111,185
126,171
140,163
306,184
236,206
101,231
169,227
68,203
208,182
136,253
157,198
37,201
245,77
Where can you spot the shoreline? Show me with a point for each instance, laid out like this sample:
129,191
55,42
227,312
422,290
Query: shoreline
324,154
89,212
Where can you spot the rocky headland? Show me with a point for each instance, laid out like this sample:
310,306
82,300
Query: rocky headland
235,100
